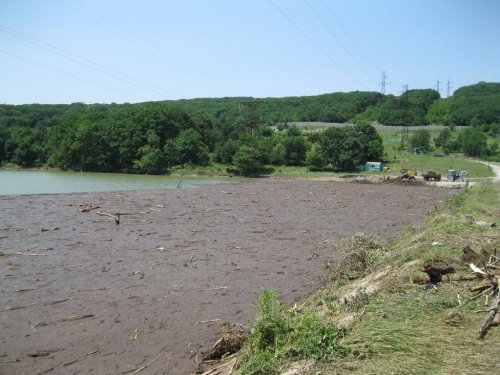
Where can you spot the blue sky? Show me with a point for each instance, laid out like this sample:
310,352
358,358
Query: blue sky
103,51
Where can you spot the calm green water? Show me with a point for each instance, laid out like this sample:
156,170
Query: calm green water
14,182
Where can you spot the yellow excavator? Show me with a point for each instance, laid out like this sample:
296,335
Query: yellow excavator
404,173
408,174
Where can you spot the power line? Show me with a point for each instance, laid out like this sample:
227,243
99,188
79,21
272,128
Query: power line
314,43
448,88
140,42
350,36
70,75
85,62
339,41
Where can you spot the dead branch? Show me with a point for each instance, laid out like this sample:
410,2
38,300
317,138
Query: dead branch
496,320
89,208
479,294
480,287
78,359
10,308
209,321
136,334
476,269
77,317
27,254
490,315
117,215
146,365
461,277
56,302
45,371
39,354
9,360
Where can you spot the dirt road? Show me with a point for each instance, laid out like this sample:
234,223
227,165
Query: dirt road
81,294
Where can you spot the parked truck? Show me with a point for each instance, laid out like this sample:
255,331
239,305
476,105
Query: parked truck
432,176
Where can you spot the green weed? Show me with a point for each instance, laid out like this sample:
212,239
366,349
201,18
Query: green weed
281,334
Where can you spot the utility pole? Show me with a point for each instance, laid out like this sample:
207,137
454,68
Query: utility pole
252,115
384,82
405,102
404,88
448,87
437,86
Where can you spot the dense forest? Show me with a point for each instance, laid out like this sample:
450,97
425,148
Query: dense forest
154,137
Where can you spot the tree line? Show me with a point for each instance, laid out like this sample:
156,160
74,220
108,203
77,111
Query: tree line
154,137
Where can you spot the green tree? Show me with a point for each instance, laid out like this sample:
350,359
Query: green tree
3,139
296,147
476,104
346,148
340,148
444,137
151,158
439,112
473,143
372,147
278,154
247,161
315,159
224,152
421,139
187,148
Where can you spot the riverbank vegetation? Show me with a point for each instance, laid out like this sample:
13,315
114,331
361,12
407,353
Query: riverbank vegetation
379,313
248,136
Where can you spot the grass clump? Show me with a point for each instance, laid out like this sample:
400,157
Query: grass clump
282,334
357,255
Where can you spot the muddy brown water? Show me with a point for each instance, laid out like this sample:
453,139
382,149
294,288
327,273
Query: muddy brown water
80,294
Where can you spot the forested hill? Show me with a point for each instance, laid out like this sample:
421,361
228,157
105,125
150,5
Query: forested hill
151,136
335,107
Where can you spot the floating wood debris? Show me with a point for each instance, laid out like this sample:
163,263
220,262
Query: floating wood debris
77,317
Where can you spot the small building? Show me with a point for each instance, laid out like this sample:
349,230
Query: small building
374,166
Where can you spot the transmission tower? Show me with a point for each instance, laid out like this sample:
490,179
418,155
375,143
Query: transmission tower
448,88
437,86
252,117
405,104
384,82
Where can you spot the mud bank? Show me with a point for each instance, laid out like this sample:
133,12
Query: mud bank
82,294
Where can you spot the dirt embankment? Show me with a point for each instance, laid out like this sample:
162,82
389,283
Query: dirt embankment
82,294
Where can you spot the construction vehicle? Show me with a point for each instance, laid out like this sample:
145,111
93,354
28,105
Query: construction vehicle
387,170
432,176
453,175
408,174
